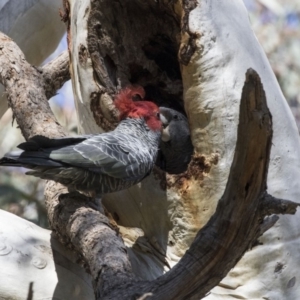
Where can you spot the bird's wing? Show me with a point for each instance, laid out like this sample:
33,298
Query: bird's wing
116,155
38,142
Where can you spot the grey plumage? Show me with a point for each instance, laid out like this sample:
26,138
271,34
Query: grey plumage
101,163
176,147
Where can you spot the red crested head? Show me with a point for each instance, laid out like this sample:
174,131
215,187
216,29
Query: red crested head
124,102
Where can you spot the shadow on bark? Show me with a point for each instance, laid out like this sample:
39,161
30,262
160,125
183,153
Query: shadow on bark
80,222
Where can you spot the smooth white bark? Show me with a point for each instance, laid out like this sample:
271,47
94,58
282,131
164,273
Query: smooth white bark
82,74
212,82
28,254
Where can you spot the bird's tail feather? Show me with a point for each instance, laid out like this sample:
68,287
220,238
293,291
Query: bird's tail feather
11,159
28,160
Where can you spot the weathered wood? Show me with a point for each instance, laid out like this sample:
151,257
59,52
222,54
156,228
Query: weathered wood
216,46
213,80
81,225
140,48
239,214
231,230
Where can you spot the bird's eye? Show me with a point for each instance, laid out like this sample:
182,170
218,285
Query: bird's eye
175,117
136,97
157,115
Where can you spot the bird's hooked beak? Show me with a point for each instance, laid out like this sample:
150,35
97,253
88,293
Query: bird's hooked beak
165,133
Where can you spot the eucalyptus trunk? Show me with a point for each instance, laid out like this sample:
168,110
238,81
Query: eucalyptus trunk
191,54
182,233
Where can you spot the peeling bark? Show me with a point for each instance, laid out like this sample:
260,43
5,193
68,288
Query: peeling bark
218,46
188,45
233,227
81,225
151,62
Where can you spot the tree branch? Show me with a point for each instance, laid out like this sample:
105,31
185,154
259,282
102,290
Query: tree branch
272,205
26,95
73,217
221,243
56,73
79,221
230,231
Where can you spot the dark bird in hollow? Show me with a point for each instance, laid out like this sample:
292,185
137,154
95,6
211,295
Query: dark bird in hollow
101,163
176,146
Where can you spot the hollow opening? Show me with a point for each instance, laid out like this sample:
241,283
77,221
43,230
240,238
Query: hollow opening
163,51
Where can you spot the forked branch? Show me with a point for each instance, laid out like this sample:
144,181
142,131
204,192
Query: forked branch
80,222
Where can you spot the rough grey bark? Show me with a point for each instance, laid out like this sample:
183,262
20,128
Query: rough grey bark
81,224
55,74
24,86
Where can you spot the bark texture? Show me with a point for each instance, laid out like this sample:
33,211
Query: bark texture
56,73
140,48
80,223
215,47
167,211
26,96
